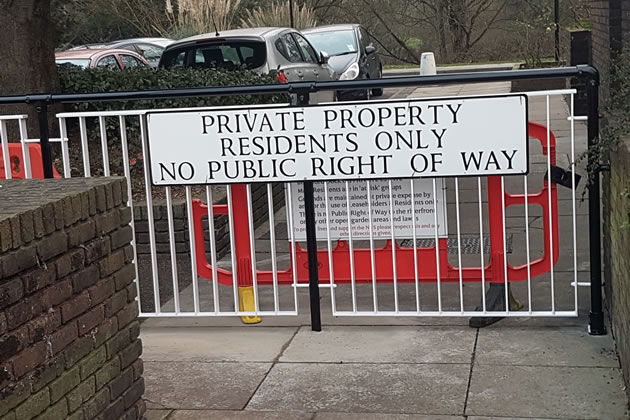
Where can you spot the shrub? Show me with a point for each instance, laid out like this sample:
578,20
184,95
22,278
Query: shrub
78,80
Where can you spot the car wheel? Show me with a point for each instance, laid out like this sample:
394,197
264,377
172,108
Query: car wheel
379,91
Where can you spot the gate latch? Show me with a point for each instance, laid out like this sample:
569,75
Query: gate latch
563,177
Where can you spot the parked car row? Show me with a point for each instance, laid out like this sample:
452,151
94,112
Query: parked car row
336,52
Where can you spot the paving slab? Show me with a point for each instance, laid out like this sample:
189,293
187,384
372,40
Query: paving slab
157,414
214,344
381,344
238,415
368,416
504,418
547,392
194,385
370,388
544,347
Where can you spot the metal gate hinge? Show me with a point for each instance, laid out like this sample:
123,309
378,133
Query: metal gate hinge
563,177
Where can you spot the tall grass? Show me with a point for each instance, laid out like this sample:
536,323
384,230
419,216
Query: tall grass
199,16
277,14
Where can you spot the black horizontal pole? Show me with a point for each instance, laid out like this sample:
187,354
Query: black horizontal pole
580,71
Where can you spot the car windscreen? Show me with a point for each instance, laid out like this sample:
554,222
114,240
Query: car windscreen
334,42
224,54
81,62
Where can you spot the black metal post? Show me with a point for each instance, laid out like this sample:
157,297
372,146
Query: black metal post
311,249
44,139
311,240
556,24
596,317
291,22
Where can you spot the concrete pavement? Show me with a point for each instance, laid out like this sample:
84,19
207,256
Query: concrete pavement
379,372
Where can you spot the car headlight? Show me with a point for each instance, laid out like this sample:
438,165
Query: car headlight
351,72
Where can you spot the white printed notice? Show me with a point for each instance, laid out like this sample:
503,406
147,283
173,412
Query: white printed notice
415,138
379,205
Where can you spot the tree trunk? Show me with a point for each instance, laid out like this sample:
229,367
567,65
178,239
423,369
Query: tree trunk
441,19
456,14
27,56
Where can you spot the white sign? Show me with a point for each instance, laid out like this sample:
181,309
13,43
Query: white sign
370,140
380,207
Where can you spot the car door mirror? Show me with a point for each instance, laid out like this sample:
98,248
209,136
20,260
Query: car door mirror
370,49
323,57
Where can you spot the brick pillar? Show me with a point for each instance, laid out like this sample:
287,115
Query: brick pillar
69,345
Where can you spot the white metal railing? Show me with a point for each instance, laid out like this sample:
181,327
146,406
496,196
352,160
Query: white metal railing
169,282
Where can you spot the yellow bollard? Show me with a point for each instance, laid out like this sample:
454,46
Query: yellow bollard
246,304
514,304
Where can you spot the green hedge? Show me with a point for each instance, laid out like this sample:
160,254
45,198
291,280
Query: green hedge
77,80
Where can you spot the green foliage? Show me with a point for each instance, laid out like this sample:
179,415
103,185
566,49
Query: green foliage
615,112
88,21
78,80
414,43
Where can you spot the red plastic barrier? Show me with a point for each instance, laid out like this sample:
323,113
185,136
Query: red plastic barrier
17,164
427,267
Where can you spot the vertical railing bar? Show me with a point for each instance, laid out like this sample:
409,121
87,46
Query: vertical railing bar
529,273
437,248
272,239
414,235
393,236
85,151
127,172
151,222
232,249
352,278
331,273
549,187
289,194
5,149
505,266
213,250
459,248
65,153
372,262
573,187
252,247
103,131
171,239
26,158
193,250
481,247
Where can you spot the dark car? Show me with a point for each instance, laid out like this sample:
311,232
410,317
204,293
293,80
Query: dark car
352,55
150,48
261,50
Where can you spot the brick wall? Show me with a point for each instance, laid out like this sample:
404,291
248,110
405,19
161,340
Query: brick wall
617,250
610,26
600,34
610,23
69,344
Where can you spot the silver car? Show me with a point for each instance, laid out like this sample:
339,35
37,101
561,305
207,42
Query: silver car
150,48
258,49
